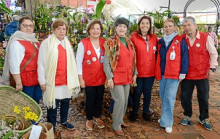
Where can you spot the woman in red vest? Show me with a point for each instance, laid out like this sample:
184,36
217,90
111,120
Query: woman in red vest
57,73
89,57
145,44
21,58
171,67
119,67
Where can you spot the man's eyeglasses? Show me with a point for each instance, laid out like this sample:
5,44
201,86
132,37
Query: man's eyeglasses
26,26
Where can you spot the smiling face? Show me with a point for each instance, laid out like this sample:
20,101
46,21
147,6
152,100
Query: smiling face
27,26
121,30
169,27
95,31
144,26
60,32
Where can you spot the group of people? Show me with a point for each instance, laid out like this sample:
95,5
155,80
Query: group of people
116,63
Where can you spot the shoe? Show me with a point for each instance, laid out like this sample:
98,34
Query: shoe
146,117
119,132
168,129
133,117
99,122
207,125
89,125
68,126
185,120
124,125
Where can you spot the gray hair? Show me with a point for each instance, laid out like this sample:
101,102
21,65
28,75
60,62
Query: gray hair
189,18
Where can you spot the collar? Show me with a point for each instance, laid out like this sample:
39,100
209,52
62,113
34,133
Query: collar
197,35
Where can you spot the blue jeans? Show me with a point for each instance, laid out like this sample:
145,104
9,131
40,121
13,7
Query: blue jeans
144,85
52,113
168,90
33,91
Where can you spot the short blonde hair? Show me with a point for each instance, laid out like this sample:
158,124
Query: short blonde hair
59,22
170,20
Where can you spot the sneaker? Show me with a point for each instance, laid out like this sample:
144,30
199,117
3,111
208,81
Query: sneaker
133,117
119,132
146,117
206,123
89,125
99,122
68,126
185,120
168,129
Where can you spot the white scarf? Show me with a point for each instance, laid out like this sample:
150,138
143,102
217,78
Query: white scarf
72,75
18,35
168,38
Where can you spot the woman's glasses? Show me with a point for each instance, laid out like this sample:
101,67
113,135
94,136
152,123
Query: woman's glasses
26,25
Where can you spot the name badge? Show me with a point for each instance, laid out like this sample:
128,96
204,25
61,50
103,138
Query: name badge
102,59
172,55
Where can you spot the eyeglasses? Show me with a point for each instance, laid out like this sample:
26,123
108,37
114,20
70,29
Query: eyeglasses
26,26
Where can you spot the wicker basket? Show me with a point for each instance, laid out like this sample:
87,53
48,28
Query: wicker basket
10,98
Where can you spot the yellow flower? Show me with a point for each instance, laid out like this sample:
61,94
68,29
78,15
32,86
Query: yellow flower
17,110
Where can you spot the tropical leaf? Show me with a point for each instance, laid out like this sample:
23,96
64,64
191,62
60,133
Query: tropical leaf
4,8
99,8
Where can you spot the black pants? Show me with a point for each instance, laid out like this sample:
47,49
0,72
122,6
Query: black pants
94,98
52,113
202,95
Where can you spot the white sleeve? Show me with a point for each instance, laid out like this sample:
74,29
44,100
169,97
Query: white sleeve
79,57
41,66
17,52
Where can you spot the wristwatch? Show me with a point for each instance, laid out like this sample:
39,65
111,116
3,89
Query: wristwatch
213,69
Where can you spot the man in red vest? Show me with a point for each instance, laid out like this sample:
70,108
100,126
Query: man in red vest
202,63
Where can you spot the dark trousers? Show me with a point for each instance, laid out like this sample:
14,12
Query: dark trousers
52,113
187,87
94,98
33,91
144,85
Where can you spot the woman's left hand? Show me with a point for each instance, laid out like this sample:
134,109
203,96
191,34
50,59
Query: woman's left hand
134,80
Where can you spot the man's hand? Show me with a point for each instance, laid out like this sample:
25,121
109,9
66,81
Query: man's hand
19,87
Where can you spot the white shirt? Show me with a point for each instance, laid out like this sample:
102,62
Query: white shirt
61,92
17,52
80,56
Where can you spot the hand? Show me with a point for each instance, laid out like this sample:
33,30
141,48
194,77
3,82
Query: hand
182,76
82,83
110,84
19,87
210,73
43,87
134,80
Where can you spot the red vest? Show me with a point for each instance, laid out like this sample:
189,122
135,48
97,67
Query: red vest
29,74
92,70
61,72
172,68
199,59
146,61
123,70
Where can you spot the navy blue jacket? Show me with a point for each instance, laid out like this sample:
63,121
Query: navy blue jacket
184,56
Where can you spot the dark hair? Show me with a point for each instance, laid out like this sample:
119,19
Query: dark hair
21,20
92,23
122,20
59,22
139,22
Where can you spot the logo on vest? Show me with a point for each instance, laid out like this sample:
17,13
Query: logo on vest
198,45
88,52
94,59
88,62
155,48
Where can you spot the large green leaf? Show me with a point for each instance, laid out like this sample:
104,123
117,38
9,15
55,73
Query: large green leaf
99,8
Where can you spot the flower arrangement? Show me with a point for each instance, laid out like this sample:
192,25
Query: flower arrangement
11,123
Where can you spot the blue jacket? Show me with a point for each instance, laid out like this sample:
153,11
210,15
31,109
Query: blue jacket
184,56
11,28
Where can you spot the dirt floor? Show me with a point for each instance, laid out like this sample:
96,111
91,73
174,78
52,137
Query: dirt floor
142,129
